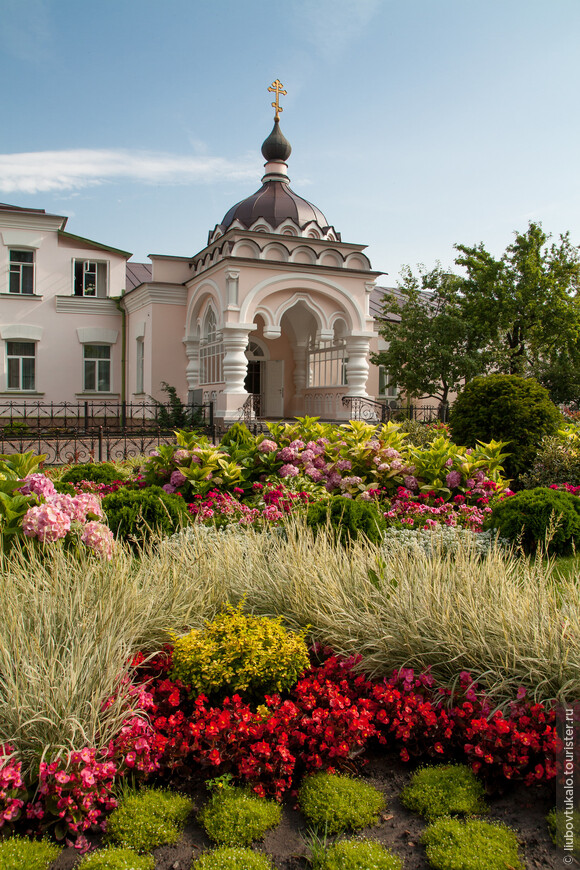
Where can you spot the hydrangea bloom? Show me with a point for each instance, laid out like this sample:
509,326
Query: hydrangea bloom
37,484
288,471
267,446
177,478
453,479
181,455
99,538
46,522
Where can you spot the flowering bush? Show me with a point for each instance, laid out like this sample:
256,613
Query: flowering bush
13,793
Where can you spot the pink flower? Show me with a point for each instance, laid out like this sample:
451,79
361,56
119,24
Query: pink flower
411,482
181,455
453,479
38,484
344,465
267,446
177,478
288,471
99,538
287,454
46,522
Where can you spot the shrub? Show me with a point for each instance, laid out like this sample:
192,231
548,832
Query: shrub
347,518
360,855
227,858
99,472
237,817
450,789
238,437
147,819
240,653
505,408
116,858
532,513
554,462
18,852
134,514
452,844
557,825
332,802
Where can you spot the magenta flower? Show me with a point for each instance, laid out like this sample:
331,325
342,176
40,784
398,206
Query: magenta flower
177,478
453,479
288,471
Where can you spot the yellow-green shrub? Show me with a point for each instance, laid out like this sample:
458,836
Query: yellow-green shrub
240,653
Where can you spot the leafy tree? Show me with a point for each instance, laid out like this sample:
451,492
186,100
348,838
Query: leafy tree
525,306
433,349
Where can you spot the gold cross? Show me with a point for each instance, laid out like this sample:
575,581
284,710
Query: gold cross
277,88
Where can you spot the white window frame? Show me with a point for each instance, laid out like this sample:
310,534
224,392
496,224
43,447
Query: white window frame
99,366
139,365
82,281
211,352
387,390
21,357
16,268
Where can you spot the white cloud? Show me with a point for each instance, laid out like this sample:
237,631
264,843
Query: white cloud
43,171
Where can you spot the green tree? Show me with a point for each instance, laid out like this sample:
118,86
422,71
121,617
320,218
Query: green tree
432,349
525,306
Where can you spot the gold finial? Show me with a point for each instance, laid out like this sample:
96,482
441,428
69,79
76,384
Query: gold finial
277,88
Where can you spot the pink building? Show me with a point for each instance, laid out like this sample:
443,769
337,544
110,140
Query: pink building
275,312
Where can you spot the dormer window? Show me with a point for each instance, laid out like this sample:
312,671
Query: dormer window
90,278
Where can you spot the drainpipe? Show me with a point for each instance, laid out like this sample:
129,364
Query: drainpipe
118,302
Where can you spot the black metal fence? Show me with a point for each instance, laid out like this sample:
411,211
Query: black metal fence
362,408
69,432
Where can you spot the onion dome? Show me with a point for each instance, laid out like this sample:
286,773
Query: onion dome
275,202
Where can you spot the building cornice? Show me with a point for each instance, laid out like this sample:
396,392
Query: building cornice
230,262
27,221
154,294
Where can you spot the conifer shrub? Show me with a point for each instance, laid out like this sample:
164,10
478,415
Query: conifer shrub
232,858
445,790
116,858
17,853
240,653
98,472
238,437
237,817
555,462
505,408
133,514
360,855
454,844
149,818
531,514
348,519
332,802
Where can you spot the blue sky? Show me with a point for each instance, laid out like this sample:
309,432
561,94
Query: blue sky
414,124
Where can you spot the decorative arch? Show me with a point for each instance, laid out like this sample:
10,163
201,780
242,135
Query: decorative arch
331,258
303,254
276,251
326,285
207,292
246,248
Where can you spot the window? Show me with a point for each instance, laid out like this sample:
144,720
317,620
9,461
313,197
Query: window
387,389
21,365
211,352
90,278
140,365
22,272
97,368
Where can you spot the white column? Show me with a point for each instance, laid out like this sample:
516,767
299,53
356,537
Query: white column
192,370
235,367
232,280
357,367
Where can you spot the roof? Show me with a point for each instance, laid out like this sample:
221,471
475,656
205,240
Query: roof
93,244
275,202
138,273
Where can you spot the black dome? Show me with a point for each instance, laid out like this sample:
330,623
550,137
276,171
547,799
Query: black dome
276,146
275,202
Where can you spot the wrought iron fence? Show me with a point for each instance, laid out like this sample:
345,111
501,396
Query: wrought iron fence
95,431
362,408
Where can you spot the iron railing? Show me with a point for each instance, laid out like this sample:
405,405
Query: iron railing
372,411
31,417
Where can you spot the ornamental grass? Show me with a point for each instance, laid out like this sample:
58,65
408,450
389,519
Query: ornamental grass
69,622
